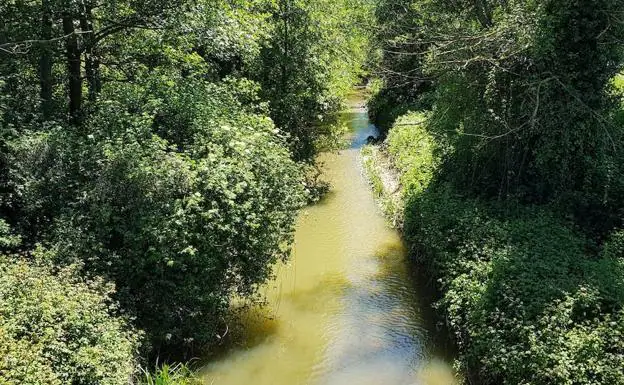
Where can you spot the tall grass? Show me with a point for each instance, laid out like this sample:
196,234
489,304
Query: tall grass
178,374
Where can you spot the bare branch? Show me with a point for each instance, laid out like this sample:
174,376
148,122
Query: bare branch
21,47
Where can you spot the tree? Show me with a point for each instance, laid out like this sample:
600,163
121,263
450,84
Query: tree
179,227
522,96
151,143
313,58
401,42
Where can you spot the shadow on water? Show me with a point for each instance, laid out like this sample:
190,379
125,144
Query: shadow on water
251,325
440,342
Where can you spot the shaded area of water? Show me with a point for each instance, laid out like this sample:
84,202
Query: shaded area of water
345,309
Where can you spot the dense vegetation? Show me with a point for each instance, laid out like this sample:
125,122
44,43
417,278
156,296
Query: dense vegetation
153,157
511,178
56,328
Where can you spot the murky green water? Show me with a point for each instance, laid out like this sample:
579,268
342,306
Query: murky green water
344,310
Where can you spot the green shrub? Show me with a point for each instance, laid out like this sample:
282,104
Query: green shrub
178,374
527,302
413,152
58,329
528,110
408,151
403,85
8,239
385,107
523,113
369,161
179,226
303,71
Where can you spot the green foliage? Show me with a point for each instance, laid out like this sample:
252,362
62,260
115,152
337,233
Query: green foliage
56,328
525,300
522,96
618,83
375,167
180,228
370,164
403,166
386,106
399,62
310,64
178,374
529,297
8,240
152,144
413,152
524,111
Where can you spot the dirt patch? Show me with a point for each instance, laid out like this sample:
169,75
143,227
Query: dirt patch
385,182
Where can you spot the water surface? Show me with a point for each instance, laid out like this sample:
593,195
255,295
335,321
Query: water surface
345,309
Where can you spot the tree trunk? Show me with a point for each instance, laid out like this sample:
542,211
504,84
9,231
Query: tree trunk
46,62
92,65
284,13
73,69
483,13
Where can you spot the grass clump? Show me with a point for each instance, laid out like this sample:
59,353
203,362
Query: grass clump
413,152
177,374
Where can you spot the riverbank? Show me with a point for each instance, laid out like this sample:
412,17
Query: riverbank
525,296
385,183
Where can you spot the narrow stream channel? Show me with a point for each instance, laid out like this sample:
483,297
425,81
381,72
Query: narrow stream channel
345,309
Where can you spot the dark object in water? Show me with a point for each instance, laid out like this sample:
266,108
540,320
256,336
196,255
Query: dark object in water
372,140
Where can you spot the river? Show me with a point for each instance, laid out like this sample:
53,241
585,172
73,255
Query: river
345,310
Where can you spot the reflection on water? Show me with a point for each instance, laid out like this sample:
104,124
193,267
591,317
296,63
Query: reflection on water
343,310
